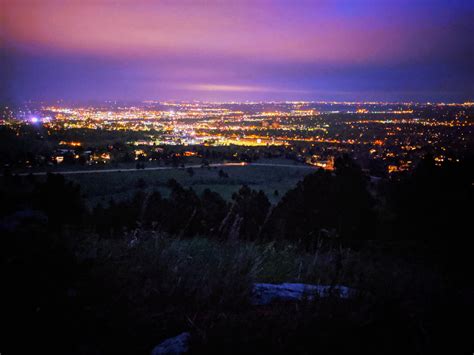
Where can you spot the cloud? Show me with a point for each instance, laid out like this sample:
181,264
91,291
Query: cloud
235,49
237,88
299,31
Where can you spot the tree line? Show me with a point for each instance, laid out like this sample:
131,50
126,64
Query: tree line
430,204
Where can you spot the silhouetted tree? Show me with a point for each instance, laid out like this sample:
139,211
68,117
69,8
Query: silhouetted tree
59,199
434,204
247,214
182,210
324,203
214,209
154,210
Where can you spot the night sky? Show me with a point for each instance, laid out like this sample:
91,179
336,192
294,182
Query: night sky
392,50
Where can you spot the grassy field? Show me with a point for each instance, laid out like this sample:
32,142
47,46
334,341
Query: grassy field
158,287
119,185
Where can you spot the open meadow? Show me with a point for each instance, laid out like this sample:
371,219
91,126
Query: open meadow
273,180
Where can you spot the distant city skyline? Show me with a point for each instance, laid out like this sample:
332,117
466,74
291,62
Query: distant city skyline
361,50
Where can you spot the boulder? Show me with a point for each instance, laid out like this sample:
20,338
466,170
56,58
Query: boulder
264,293
173,346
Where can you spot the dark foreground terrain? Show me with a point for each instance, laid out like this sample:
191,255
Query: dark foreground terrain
121,277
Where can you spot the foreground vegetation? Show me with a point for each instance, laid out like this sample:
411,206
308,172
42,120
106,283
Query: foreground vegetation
126,275
124,296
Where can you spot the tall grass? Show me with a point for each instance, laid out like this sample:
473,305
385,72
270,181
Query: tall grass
125,295
210,272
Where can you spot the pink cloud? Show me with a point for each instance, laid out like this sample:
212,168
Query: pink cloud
255,30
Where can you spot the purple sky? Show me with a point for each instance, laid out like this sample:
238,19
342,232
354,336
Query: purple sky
392,50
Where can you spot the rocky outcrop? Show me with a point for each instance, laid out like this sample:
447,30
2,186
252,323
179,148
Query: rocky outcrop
266,293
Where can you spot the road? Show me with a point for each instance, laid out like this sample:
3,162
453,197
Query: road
217,165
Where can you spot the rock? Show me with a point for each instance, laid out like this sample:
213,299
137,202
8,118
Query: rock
173,346
262,294
265,293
